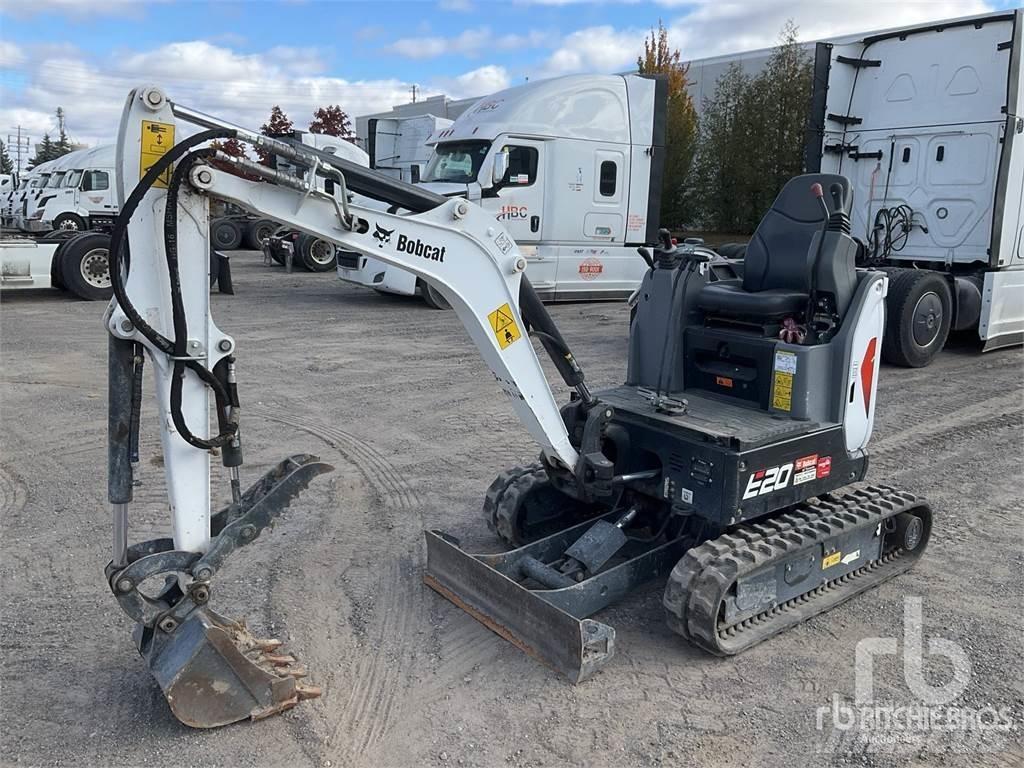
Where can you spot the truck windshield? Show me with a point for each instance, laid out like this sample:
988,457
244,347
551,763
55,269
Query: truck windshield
73,178
457,162
55,179
40,181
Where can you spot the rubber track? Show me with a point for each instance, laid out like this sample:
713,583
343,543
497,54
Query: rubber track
704,576
496,491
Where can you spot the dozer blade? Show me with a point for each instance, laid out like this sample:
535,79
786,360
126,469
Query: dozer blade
548,624
213,672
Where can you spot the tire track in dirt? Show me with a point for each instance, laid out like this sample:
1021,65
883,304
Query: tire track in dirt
377,676
930,425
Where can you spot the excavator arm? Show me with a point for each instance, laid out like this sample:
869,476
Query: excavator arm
211,670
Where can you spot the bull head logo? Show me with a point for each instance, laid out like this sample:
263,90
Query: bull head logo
382,235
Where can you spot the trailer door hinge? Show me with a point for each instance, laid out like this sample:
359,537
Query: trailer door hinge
839,148
845,119
859,62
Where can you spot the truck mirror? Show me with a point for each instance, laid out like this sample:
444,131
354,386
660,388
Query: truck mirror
500,167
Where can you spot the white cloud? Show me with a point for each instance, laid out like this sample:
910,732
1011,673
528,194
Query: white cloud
595,49
479,82
239,87
10,55
470,43
77,8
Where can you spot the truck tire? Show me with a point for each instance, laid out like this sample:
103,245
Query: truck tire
919,308
85,266
315,254
70,222
225,234
432,297
257,232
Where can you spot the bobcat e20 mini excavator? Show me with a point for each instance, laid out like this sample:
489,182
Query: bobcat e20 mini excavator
726,462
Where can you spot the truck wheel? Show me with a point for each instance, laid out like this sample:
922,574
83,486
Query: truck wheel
225,234
918,313
257,232
85,266
432,297
70,222
315,254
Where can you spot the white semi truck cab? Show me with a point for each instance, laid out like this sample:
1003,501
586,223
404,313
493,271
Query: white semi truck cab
571,166
928,124
84,197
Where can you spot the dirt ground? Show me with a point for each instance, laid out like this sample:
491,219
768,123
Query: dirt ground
394,395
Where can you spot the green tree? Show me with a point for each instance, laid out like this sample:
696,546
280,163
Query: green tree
681,124
752,137
6,166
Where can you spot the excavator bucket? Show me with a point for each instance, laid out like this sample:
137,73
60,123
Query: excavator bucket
214,672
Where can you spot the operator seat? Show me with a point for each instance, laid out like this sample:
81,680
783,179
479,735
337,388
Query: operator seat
777,267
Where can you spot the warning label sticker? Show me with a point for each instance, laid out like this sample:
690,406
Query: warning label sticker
831,560
805,469
503,323
782,381
157,140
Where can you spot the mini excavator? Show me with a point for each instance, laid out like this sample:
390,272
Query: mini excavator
730,463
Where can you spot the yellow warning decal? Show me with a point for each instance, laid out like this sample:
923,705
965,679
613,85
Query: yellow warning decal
782,381
157,139
503,323
831,560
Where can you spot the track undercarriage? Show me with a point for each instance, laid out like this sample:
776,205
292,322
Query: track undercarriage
724,593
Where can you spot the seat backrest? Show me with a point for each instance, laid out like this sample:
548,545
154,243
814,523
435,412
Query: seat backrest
777,256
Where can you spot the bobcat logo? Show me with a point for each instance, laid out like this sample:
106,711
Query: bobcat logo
382,235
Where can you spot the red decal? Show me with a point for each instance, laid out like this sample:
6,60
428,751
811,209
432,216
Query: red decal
867,373
824,466
590,268
759,473
806,462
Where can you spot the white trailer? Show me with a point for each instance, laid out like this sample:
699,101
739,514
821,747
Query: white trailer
928,124
84,198
571,166
401,146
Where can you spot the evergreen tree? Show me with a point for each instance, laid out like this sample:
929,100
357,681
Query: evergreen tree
681,124
6,166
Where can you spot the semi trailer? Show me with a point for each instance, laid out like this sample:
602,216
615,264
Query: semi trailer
401,146
927,122
571,166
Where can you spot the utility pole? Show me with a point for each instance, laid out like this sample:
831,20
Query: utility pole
414,89
21,147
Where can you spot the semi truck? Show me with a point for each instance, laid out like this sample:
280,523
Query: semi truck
928,124
571,166
79,195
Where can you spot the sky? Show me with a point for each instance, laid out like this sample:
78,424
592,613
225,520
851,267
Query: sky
238,59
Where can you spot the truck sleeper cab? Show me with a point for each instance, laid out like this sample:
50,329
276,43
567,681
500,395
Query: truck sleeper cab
572,167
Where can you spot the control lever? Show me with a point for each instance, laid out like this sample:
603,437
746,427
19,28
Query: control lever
819,193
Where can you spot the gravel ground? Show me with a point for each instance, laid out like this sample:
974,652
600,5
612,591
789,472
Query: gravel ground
394,395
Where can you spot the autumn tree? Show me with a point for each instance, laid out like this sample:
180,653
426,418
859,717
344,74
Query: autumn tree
681,124
6,166
279,124
332,120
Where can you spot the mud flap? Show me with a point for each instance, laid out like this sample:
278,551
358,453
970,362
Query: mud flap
548,624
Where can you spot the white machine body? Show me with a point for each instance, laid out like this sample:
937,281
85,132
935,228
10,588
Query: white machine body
582,189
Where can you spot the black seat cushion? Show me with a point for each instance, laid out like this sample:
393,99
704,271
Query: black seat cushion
728,297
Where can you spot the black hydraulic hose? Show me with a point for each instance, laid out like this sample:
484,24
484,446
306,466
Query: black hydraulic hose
119,233
227,429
